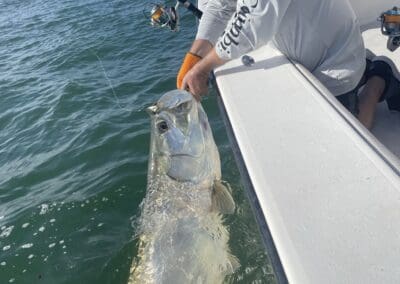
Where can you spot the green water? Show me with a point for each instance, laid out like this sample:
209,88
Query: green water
73,149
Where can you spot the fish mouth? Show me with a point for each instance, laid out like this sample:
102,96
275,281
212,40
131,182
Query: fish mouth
184,155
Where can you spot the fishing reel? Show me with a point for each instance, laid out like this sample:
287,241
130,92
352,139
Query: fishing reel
167,17
164,17
390,26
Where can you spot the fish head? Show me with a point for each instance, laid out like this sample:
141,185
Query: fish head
182,144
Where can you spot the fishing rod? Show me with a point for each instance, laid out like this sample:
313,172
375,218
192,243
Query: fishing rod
168,17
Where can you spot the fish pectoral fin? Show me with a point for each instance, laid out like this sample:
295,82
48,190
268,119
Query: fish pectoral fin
235,264
221,198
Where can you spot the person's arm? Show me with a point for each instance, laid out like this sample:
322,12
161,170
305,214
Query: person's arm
201,47
196,79
254,24
199,50
213,22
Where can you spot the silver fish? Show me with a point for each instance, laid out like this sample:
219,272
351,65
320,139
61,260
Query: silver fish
182,236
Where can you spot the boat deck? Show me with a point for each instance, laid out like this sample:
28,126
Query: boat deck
325,190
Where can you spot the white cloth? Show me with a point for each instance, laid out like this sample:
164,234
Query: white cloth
202,4
322,35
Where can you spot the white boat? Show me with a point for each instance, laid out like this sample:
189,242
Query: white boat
324,189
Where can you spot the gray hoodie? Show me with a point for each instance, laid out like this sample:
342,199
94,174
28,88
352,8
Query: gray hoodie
322,35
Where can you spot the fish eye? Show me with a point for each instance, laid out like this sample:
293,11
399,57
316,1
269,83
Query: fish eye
162,127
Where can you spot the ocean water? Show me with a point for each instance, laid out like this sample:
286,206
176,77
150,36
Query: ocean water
75,77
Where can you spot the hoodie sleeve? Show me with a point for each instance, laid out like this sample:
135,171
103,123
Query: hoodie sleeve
216,15
254,24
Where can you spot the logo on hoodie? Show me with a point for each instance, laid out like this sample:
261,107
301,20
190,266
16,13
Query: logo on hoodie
231,36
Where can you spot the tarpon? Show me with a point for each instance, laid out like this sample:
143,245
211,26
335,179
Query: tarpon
182,236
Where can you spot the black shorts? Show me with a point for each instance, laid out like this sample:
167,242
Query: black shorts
392,87
350,101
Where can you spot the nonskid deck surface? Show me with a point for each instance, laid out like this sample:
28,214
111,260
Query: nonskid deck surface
387,124
329,192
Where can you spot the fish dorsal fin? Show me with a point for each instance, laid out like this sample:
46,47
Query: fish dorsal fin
221,198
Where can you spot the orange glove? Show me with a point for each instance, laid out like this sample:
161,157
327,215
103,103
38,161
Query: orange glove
188,62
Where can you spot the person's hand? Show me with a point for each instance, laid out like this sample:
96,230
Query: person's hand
199,50
188,62
196,81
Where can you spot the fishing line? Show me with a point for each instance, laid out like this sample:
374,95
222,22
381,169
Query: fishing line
109,82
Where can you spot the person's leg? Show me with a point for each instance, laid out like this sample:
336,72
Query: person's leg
369,98
380,85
